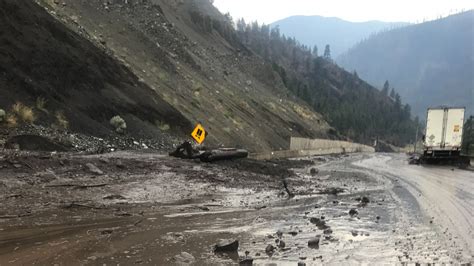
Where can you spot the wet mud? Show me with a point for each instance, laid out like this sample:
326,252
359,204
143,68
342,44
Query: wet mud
144,208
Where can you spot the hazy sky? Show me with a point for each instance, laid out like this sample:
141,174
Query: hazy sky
267,11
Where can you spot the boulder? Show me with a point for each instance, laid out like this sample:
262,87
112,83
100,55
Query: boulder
270,249
314,242
353,212
94,169
247,261
227,245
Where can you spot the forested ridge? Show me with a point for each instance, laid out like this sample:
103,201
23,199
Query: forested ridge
430,63
353,107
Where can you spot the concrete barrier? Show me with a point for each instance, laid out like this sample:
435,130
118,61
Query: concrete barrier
301,147
331,146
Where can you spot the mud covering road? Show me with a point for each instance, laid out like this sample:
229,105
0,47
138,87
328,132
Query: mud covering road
147,209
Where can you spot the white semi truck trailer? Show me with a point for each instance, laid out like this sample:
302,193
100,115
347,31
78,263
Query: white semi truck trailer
443,136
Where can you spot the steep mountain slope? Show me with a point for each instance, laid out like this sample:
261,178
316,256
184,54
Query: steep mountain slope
352,106
197,73
41,60
429,64
339,34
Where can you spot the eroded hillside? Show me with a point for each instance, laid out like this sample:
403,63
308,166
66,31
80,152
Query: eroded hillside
47,65
235,94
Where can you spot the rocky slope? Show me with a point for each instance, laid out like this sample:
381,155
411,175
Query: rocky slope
61,74
190,75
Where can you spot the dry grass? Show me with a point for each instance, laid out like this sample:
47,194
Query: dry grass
24,113
61,120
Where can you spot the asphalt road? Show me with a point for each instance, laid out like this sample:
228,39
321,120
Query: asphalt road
444,193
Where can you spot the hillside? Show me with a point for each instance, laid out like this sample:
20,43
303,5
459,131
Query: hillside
429,64
355,108
339,34
66,77
148,62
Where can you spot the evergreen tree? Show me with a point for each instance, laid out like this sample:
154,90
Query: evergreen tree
355,74
241,25
327,52
315,51
392,93
386,87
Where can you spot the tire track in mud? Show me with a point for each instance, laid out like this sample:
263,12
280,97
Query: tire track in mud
436,199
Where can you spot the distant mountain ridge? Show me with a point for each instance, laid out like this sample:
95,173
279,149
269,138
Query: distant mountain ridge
429,64
339,34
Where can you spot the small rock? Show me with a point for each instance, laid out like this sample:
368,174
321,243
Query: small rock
203,208
119,164
353,212
48,175
104,160
354,233
106,231
279,233
313,171
184,257
378,217
247,261
319,223
300,263
282,244
227,246
270,249
327,231
94,169
314,243
293,233
365,200
114,197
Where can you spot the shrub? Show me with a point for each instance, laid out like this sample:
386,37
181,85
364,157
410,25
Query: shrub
119,124
41,104
61,120
163,126
11,120
23,112
2,115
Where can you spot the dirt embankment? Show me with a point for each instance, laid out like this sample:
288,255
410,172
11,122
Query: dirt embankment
58,73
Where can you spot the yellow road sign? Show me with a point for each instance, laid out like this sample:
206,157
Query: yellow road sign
199,134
